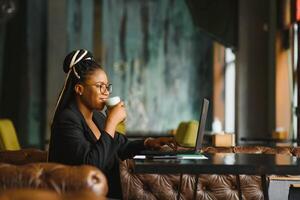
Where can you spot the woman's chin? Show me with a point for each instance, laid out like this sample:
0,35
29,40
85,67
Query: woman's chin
100,107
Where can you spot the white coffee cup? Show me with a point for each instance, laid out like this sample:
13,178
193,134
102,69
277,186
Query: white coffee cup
112,101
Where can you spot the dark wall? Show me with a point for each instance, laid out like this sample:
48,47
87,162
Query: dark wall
23,71
217,18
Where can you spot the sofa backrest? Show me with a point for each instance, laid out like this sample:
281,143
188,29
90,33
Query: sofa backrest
53,176
23,156
159,186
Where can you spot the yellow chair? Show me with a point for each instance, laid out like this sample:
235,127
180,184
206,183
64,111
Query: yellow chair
8,136
186,133
121,128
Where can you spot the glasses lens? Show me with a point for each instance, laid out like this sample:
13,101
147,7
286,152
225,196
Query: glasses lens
109,88
104,88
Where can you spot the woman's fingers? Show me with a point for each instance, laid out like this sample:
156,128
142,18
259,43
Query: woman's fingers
122,104
167,140
118,112
159,142
172,146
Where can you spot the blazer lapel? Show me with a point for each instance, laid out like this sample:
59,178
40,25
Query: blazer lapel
87,131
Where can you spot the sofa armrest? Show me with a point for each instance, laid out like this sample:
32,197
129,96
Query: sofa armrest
57,177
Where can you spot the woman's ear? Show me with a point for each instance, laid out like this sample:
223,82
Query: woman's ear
79,89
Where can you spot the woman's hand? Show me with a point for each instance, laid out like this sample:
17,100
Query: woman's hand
157,143
116,114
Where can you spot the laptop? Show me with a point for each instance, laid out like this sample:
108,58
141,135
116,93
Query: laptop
199,138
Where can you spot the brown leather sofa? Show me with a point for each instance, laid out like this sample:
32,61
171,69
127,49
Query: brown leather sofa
42,194
27,169
157,186
52,176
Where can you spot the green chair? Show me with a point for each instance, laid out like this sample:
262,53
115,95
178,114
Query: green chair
8,136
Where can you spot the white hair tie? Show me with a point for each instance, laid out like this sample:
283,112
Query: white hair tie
74,61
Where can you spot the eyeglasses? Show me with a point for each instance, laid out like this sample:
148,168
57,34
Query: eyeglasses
102,87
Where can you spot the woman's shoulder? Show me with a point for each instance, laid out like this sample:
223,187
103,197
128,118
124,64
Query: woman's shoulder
68,114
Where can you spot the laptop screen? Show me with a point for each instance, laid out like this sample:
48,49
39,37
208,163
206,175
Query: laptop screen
202,122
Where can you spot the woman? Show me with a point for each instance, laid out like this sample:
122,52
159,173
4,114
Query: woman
80,134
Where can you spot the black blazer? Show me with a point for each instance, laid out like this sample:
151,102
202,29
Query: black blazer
72,142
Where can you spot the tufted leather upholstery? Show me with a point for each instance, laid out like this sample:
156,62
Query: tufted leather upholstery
57,177
210,187
157,186
40,194
26,171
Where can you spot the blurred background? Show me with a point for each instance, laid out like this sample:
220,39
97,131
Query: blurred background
162,57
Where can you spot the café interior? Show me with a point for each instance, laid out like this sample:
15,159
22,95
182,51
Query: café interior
162,58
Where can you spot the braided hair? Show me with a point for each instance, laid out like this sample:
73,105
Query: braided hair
78,65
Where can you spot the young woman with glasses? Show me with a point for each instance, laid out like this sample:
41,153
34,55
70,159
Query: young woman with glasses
80,134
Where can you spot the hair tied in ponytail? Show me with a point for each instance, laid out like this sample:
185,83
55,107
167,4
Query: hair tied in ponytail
73,62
